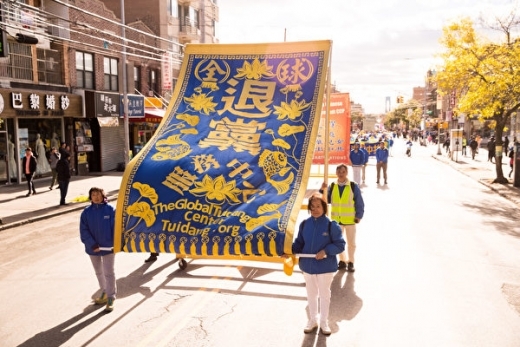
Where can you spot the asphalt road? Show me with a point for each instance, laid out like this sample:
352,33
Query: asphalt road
438,264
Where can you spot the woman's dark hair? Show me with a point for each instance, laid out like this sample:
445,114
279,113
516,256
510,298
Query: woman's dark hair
317,197
96,189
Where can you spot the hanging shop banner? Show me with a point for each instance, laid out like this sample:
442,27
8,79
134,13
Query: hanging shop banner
226,171
339,131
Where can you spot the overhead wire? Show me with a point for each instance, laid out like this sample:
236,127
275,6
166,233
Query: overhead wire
38,19
147,54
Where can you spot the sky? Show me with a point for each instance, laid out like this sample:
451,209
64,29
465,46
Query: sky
380,48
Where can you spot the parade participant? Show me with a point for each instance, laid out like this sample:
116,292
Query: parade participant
365,152
357,159
29,168
152,257
318,236
381,161
96,231
409,145
347,208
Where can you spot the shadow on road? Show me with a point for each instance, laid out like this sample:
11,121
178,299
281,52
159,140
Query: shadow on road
507,224
61,333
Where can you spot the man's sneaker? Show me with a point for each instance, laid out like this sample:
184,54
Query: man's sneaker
309,328
342,265
110,305
350,267
102,299
325,329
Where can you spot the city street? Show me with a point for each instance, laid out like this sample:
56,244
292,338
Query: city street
437,264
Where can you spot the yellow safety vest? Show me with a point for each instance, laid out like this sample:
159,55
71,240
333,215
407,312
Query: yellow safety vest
342,207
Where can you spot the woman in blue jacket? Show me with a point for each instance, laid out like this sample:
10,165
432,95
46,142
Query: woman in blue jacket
97,231
322,238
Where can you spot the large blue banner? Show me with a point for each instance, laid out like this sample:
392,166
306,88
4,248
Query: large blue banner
226,172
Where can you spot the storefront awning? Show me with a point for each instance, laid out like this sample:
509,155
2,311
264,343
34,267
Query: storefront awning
150,116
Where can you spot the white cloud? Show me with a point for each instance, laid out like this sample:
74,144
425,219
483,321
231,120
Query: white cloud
381,48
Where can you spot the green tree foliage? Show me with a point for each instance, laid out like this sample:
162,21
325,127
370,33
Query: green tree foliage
484,75
408,113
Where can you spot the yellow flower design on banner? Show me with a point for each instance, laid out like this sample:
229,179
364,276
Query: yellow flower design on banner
217,189
255,71
142,209
291,110
201,102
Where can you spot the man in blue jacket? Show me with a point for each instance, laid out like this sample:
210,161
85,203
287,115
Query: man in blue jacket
357,159
381,161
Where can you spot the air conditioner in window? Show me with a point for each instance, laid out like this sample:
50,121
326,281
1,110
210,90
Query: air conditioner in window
150,93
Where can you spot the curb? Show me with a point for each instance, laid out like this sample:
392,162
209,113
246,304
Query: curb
504,192
52,213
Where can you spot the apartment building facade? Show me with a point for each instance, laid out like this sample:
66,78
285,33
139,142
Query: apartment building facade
63,76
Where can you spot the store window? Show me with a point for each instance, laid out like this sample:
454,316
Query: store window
85,70
30,130
111,75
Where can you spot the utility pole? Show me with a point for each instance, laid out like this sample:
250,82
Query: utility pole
125,86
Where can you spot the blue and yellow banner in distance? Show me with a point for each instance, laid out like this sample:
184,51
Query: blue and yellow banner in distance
226,171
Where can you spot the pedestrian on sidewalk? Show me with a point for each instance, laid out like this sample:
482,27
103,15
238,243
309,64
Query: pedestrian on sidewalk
473,145
491,149
347,208
320,237
53,160
446,145
381,161
29,165
96,232
511,160
63,171
464,145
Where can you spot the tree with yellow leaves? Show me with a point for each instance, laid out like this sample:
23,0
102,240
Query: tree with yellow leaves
484,75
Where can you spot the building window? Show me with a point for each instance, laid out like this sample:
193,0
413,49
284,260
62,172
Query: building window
49,66
172,8
137,79
84,70
154,83
110,70
19,64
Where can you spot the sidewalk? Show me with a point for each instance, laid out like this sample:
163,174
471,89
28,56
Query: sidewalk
481,170
17,209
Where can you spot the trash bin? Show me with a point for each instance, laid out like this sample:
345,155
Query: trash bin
82,164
